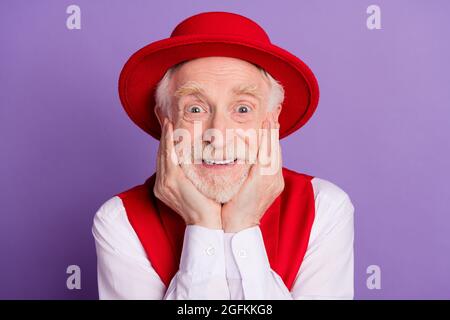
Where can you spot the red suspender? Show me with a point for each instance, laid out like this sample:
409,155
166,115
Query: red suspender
285,226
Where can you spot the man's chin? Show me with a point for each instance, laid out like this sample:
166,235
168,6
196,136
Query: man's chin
219,196
218,186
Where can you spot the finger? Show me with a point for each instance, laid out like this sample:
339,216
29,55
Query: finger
279,157
274,144
275,148
171,159
254,169
275,141
270,137
161,150
262,150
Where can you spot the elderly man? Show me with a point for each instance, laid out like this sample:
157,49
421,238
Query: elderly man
220,218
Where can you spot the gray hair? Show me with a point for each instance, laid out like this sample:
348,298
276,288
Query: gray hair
164,98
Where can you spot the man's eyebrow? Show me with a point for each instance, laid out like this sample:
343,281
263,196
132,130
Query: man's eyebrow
189,88
248,89
194,88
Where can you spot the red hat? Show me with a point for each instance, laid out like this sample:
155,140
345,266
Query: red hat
216,34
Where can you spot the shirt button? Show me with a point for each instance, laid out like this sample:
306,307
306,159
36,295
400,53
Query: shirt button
242,253
210,251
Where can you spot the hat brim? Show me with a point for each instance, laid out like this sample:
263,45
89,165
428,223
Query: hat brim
145,68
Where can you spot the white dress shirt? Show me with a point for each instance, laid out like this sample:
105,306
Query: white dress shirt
218,265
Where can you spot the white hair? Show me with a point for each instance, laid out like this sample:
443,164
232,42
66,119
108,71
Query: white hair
163,95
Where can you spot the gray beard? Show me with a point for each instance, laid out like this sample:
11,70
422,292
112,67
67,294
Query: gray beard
219,188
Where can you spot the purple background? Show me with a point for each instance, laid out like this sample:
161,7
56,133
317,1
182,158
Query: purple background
381,131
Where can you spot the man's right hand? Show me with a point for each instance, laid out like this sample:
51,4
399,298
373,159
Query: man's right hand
175,190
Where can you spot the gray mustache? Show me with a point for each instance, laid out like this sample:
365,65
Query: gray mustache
209,152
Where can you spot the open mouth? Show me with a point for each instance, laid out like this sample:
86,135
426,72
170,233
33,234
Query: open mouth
219,163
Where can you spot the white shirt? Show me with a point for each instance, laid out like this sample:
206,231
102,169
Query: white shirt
218,265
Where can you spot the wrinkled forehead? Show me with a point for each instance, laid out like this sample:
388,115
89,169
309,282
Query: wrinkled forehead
220,71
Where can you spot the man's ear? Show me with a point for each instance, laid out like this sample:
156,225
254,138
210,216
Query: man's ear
276,111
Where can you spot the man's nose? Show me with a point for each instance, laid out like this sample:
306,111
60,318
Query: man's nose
216,131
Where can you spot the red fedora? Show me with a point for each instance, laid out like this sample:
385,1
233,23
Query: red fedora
216,34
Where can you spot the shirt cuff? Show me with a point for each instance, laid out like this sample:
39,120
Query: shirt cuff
250,254
203,252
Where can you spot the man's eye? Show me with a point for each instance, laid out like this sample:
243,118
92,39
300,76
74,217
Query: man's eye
243,109
195,109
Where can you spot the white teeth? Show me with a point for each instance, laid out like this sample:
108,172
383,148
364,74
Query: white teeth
210,162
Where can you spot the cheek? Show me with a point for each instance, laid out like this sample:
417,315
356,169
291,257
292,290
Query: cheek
253,120
248,123
243,118
251,130
192,132
191,117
